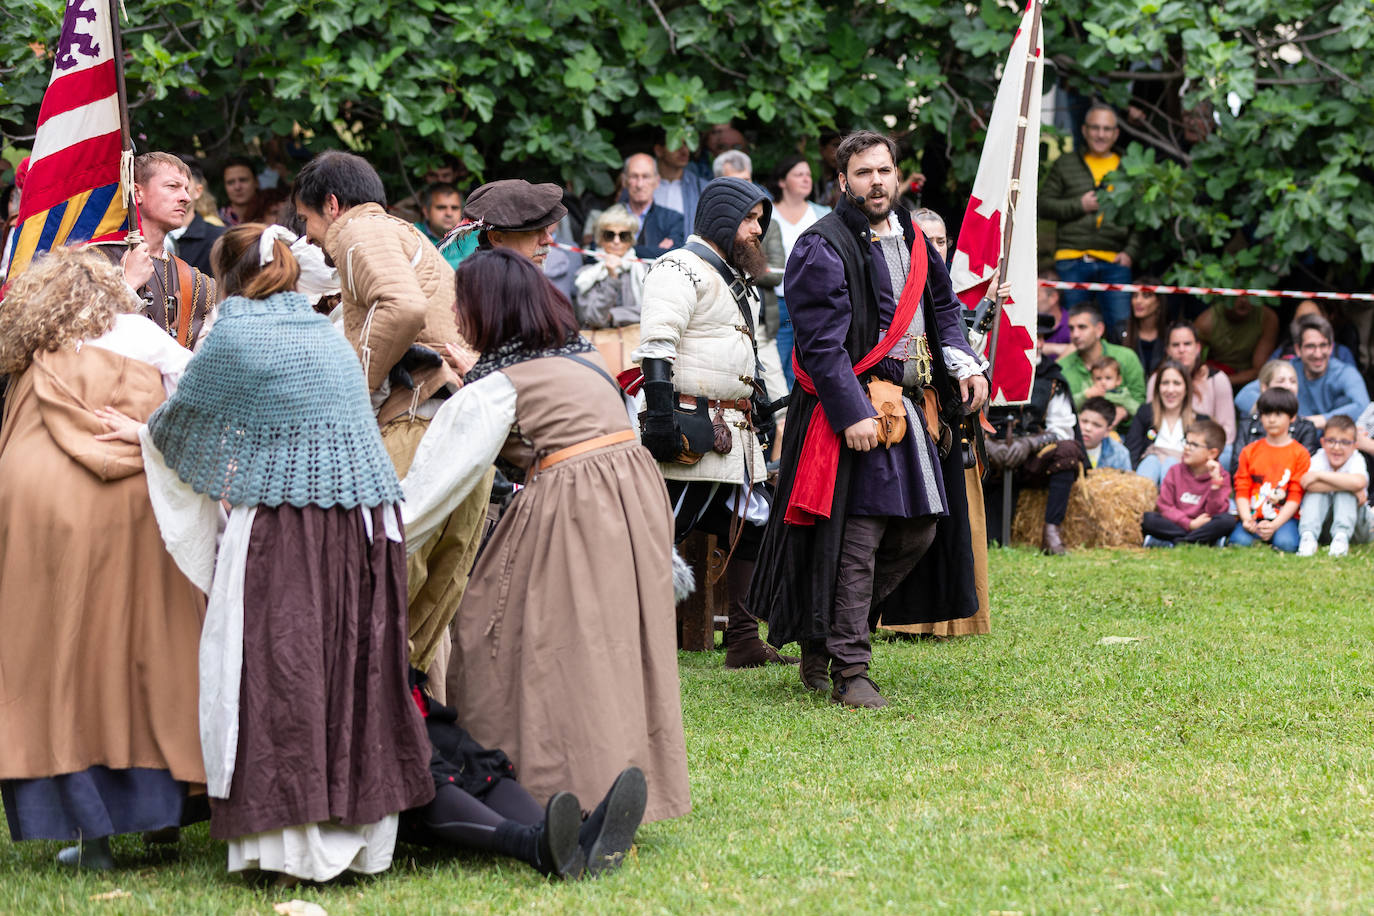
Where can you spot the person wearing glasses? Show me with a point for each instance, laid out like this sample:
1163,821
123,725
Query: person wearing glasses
1326,386
607,293
1194,500
1335,492
1089,248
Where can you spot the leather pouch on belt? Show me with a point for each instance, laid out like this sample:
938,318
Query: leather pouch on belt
940,434
887,403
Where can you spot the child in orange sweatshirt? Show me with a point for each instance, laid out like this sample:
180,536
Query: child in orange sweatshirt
1269,477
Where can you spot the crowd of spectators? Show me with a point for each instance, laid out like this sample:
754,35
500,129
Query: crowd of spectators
1156,383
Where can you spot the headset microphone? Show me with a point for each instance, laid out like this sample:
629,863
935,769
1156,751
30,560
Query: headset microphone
854,199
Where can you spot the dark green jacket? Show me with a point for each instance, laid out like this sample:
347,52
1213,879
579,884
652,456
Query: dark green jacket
1061,200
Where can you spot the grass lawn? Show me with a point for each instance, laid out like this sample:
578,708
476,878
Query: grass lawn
1222,763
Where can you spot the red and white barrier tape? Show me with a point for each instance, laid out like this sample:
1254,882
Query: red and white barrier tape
1207,291
1108,287
601,255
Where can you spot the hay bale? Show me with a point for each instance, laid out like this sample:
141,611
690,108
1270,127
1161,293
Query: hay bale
1104,511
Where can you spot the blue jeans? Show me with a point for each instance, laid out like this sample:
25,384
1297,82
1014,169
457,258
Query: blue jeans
784,342
1155,467
1285,539
1115,306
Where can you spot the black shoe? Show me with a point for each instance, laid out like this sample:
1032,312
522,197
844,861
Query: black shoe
857,690
815,671
167,836
559,854
610,831
90,855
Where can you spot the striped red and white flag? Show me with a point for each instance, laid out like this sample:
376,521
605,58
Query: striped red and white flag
973,269
75,188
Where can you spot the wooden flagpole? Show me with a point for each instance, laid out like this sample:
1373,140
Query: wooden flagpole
126,178
994,314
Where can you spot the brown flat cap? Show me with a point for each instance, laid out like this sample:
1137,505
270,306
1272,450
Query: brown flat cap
515,205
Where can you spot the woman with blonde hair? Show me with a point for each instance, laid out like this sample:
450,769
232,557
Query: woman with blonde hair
1277,373
607,293
311,740
98,658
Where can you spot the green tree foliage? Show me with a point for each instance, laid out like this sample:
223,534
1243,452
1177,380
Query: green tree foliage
554,88
1282,184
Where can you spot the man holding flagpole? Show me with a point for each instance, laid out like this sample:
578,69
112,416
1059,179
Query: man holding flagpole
177,296
870,515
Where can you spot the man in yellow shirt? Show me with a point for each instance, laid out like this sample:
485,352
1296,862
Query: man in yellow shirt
1090,249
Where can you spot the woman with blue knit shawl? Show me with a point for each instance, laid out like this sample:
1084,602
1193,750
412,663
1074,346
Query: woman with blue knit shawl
312,742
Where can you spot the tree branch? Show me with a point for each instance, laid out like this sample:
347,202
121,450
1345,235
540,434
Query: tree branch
672,36
1168,146
968,106
173,26
724,69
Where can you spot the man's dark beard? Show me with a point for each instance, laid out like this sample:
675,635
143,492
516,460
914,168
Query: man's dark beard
748,258
877,215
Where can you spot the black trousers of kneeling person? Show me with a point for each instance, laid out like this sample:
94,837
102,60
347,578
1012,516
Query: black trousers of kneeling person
699,505
477,802
1060,484
1156,525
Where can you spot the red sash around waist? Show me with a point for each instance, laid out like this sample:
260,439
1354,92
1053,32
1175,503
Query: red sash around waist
813,486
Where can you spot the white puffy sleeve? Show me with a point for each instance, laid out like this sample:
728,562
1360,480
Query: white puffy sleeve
670,298
138,337
463,440
190,523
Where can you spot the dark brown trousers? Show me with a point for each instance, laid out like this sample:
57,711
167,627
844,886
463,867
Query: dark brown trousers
878,552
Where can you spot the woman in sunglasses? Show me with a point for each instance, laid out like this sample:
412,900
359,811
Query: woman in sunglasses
607,293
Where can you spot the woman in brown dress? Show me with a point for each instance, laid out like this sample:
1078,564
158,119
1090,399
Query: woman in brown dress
311,740
564,649
98,653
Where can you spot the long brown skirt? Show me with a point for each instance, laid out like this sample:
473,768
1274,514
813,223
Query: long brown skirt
327,728
565,651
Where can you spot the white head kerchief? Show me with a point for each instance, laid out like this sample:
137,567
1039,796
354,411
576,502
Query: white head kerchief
269,237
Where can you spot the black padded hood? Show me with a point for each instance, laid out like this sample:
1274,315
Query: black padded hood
723,205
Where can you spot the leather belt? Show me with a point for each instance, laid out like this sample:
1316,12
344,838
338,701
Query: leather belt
581,448
741,404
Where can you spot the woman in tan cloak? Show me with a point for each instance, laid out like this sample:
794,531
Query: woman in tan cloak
98,659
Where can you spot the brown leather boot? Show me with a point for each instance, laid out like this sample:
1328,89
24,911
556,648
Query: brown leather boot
1050,541
743,648
815,669
856,689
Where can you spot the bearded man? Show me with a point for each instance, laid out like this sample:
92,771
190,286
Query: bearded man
703,387
871,515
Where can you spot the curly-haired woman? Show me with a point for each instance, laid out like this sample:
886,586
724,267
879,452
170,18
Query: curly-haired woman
98,658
